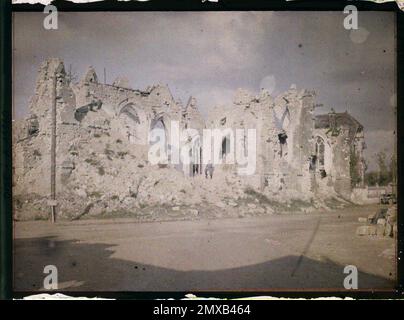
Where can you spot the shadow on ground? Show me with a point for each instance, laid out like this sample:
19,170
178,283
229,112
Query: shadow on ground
90,267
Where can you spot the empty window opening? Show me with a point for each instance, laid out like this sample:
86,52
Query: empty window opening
266,182
33,126
320,150
313,161
282,136
131,113
225,146
245,145
159,125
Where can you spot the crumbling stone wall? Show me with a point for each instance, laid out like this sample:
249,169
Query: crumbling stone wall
344,146
102,143
284,127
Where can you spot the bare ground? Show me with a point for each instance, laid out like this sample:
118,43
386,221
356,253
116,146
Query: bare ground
295,251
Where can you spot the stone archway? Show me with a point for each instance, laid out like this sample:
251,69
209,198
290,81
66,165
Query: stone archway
158,134
320,152
225,147
135,122
323,156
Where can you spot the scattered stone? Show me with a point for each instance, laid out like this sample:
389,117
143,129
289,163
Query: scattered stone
372,230
381,221
395,230
272,242
362,220
362,231
391,215
81,193
388,230
392,211
371,218
220,205
380,230
193,212
366,230
102,146
218,215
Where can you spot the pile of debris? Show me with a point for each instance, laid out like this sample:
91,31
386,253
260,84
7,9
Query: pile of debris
382,224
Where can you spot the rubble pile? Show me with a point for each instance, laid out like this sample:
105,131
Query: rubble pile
101,135
383,223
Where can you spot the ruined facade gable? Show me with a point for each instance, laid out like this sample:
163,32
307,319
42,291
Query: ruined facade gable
103,139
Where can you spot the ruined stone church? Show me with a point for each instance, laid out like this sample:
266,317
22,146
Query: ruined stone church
101,142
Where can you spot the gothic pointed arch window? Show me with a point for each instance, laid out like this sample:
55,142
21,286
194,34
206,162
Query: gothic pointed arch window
159,125
196,156
131,122
320,151
225,149
130,112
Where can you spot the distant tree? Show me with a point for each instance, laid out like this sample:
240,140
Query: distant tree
371,178
385,173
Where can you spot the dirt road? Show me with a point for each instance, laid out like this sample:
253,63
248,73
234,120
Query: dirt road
256,253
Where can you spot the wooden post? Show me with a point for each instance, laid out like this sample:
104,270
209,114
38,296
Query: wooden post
53,152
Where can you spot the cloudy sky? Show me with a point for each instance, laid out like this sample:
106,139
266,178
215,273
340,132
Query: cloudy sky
211,54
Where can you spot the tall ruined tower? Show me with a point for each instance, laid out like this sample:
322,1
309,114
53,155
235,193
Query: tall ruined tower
39,129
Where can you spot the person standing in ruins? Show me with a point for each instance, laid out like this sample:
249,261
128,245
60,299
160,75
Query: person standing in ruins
209,170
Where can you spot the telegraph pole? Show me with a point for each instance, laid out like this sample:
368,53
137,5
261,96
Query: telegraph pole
53,152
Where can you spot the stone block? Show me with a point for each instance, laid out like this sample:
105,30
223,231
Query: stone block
388,230
370,218
232,203
372,230
220,205
380,230
366,230
391,219
362,231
